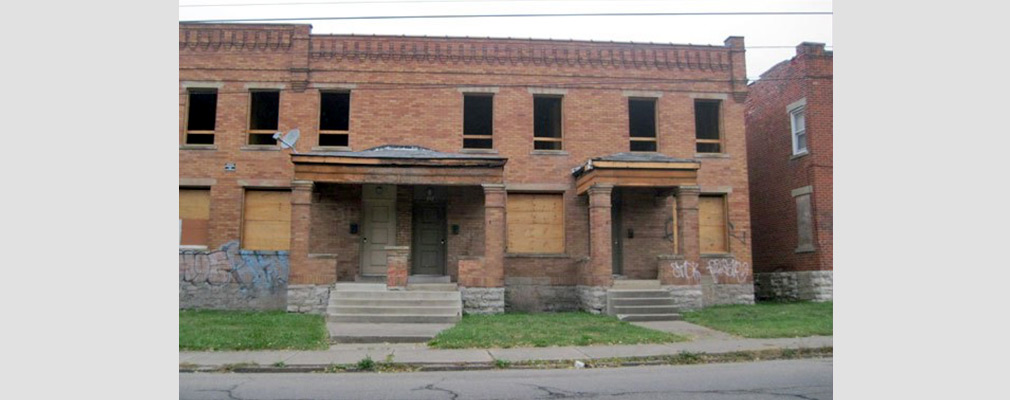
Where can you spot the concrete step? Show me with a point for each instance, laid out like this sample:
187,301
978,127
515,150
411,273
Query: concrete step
433,287
383,333
636,284
648,317
393,318
637,293
428,279
381,310
380,302
396,294
662,309
358,286
642,301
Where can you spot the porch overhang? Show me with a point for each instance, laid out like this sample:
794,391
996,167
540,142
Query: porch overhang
407,165
636,170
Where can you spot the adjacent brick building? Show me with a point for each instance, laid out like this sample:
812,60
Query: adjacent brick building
532,173
789,149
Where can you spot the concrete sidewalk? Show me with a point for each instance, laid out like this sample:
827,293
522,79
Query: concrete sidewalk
704,340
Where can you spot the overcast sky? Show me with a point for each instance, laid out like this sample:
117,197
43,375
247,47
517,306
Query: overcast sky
758,31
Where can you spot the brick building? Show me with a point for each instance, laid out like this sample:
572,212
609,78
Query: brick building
789,149
529,174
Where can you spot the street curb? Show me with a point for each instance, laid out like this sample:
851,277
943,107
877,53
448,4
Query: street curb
682,358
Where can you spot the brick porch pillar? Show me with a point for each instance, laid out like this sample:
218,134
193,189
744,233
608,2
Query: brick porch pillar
601,269
689,245
680,273
301,224
494,234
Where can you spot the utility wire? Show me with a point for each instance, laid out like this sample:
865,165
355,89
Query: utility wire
453,16
390,2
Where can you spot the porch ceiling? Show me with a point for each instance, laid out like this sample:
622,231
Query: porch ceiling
636,170
400,165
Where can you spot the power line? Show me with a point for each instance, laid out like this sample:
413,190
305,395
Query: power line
383,2
454,16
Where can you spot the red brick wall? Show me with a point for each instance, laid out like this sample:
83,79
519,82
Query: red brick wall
388,107
775,173
647,216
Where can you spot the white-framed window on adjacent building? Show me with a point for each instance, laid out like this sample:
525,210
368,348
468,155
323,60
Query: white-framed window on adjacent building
798,121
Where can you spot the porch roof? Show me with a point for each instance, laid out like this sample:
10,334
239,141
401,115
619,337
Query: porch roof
636,170
397,164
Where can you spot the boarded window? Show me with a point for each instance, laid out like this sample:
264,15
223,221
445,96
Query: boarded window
712,224
264,112
546,123
334,118
535,223
266,221
194,214
642,124
804,224
478,126
673,230
201,115
706,126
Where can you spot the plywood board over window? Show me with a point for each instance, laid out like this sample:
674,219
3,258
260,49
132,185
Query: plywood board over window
535,223
712,224
266,221
194,214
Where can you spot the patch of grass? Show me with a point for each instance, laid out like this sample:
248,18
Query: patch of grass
499,363
210,330
545,329
767,320
280,364
366,364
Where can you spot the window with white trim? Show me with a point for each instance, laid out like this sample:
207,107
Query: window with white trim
798,118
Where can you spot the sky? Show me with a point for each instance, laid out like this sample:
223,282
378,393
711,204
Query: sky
769,39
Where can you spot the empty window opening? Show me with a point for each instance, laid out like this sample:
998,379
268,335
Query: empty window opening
706,125
201,115
264,112
642,124
799,122
478,111
334,118
546,123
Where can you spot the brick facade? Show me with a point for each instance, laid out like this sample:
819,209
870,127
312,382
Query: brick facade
776,174
409,91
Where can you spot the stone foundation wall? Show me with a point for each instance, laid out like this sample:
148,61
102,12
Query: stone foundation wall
593,299
537,294
478,300
726,293
311,299
686,297
233,279
791,286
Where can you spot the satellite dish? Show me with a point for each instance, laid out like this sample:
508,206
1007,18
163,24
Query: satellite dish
289,140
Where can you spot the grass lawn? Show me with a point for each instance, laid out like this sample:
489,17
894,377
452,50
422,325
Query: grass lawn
767,320
545,329
248,330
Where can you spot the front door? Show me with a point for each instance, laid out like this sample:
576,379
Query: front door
429,231
378,203
617,253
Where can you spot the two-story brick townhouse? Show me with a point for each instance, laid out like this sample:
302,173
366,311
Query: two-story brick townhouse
524,174
789,148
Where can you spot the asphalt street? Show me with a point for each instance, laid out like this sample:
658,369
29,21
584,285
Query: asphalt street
785,379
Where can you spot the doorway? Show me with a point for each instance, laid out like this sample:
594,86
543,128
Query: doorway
617,253
378,203
429,241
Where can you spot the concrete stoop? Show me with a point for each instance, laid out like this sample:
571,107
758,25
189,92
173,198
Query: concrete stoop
370,313
641,300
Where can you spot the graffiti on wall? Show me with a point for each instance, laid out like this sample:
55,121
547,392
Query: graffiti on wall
728,270
686,270
252,271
